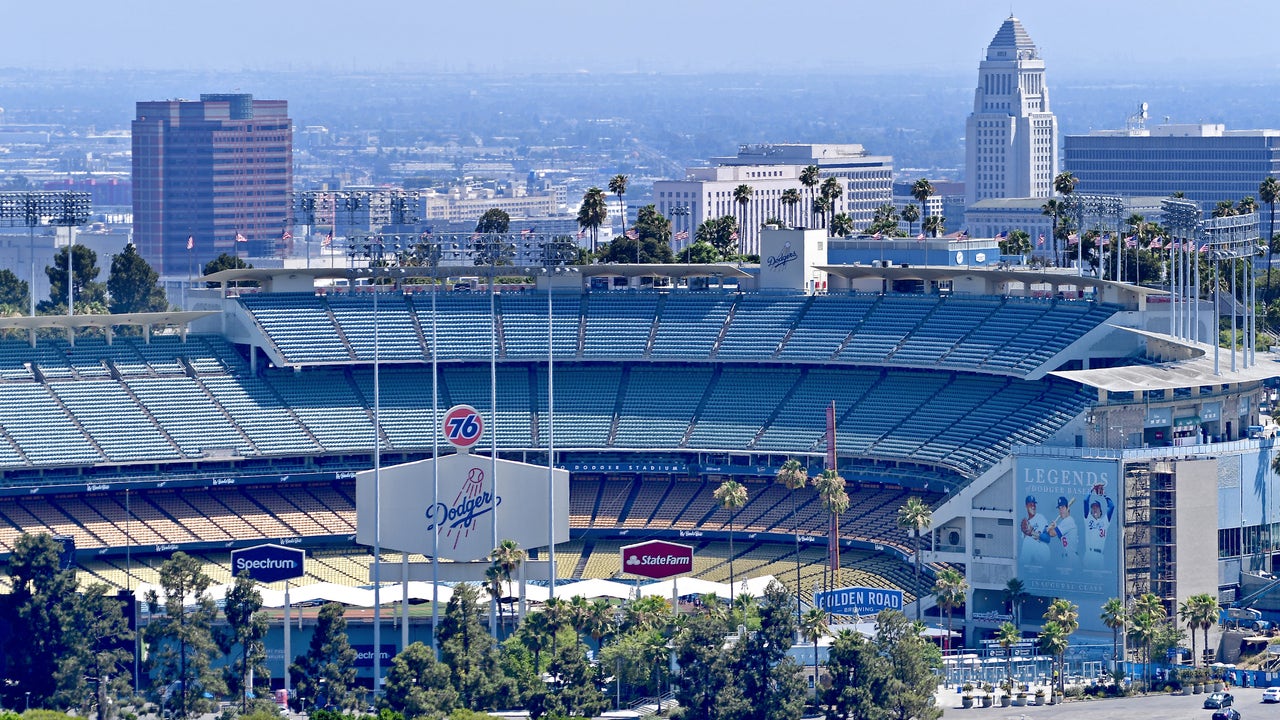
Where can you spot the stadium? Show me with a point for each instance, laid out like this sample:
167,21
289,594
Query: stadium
246,418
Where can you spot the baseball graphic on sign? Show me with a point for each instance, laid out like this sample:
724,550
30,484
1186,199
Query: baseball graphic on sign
463,426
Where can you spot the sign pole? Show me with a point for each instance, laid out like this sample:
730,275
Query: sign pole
287,632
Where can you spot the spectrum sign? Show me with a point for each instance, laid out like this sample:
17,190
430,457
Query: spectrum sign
269,563
657,559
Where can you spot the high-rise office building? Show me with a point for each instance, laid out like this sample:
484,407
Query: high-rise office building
1205,162
1011,138
210,177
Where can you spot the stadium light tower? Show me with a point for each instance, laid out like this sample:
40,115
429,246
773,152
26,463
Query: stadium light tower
555,254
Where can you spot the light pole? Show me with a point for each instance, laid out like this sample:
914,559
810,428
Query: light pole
680,211
554,253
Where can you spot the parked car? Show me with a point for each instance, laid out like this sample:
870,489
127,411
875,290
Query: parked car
1271,695
1218,700
1226,713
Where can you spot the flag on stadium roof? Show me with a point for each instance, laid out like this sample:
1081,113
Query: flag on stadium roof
241,238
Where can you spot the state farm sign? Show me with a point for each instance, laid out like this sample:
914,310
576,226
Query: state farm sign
657,559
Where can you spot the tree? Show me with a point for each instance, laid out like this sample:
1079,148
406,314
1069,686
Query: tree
742,196
835,500
88,292
181,639
731,495
794,477
810,176
418,686
574,689
812,627
465,648
102,652
1008,635
790,198
1017,243
1248,205
922,190
651,244
507,559
1199,612
597,622
1269,192
705,675
133,285
935,225
15,294
618,186
226,261
592,214
832,191
1054,640
1116,618
911,213
1065,615
1225,208
247,627
949,591
856,670
841,225
325,675
636,658
915,517
536,636
41,612
821,206
494,220
911,681
1146,619
720,233
701,252
1015,593
885,221
766,682
1054,208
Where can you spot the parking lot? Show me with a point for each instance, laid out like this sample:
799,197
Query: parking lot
1175,707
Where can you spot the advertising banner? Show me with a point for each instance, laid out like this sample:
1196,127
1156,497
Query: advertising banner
864,601
1069,522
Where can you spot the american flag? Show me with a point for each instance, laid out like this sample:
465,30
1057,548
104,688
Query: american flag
328,240
286,235
1004,235
191,242
876,236
241,238
1131,241
1204,248
920,236
527,231
1040,240
734,236
682,235
1072,239
633,235
580,232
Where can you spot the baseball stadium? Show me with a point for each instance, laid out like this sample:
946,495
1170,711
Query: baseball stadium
973,386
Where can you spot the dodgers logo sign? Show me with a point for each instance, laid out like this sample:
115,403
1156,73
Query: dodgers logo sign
455,520
269,563
779,261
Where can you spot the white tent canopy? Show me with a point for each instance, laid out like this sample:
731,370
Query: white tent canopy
596,588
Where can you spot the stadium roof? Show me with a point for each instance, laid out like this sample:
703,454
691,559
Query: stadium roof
1195,369
106,322
1110,290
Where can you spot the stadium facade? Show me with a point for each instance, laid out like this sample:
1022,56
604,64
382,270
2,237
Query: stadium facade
247,417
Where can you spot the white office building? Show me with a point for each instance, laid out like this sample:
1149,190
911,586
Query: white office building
1011,137
866,183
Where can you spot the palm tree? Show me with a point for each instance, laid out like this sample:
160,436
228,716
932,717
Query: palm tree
1269,192
731,495
911,213
1064,183
790,198
810,177
592,214
832,190
835,500
742,195
1148,614
493,584
935,225
841,225
1066,615
1116,617
1054,641
1008,635
922,190
1015,593
949,591
794,476
598,623
1247,205
915,517
813,627
579,609
618,186
820,207
1225,208
535,634
1199,612
558,615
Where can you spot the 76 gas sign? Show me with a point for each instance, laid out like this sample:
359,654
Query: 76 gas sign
463,426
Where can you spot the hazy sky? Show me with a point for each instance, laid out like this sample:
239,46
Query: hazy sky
1112,39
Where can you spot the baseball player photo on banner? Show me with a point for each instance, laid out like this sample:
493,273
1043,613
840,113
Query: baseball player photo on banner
1068,528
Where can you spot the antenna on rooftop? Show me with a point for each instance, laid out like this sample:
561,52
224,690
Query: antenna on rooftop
1138,120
